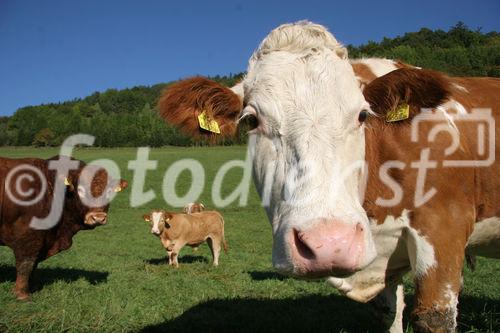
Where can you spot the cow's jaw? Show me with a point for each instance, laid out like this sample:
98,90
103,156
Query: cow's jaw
309,152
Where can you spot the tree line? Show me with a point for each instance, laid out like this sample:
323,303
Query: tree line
459,51
127,117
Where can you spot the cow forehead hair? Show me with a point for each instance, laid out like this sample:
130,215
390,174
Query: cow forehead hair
297,37
93,173
314,93
95,177
156,215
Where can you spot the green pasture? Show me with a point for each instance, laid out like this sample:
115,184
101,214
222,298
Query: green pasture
115,279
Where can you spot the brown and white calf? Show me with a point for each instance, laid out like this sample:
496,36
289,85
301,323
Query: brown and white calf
193,208
178,230
359,183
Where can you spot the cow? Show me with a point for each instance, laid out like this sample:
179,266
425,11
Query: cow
335,156
177,230
31,180
193,208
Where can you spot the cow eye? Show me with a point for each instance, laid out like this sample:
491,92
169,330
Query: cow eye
362,116
248,120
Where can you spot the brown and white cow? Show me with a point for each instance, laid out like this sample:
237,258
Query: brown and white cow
36,185
178,230
193,207
353,194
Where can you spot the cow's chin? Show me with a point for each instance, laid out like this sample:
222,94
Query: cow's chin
90,224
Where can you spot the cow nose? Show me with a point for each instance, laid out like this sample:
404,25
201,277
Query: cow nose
155,232
327,248
98,218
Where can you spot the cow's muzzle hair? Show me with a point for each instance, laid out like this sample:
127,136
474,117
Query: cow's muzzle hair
96,218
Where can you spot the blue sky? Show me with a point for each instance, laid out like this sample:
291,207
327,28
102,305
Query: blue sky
53,51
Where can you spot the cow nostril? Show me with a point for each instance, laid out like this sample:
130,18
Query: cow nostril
98,218
359,228
302,248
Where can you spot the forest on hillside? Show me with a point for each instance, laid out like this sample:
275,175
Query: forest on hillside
127,117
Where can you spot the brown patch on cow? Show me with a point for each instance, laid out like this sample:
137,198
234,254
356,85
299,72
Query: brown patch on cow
400,64
416,87
182,102
447,220
363,73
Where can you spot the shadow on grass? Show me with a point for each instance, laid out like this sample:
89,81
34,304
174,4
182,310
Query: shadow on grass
266,275
316,313
47,276
187,259
311,313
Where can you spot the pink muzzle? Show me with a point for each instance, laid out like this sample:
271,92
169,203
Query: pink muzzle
328,248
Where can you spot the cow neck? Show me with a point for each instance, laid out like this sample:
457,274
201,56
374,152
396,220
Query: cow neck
379,149
64,231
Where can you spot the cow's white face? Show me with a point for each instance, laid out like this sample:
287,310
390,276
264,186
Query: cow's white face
309,142
156,220
309,151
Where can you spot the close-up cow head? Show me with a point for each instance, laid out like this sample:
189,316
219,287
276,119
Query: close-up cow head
306,110
158,220
92,190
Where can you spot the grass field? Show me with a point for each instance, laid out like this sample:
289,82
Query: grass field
115,278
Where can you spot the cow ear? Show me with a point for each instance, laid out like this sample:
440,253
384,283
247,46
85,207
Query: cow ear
167,216
402,93
202,108
68,183
147,217
122,184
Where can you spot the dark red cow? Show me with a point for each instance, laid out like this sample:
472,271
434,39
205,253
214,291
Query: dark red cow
28,189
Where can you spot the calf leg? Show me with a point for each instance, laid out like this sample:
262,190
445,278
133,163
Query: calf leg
173,258
214,245
24,268
389,305
169,257
176,249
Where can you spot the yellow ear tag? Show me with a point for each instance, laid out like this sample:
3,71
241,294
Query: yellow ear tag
67,182
118,189
401,112
208,124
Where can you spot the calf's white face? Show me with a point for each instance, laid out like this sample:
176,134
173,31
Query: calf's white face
156,219
309,151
